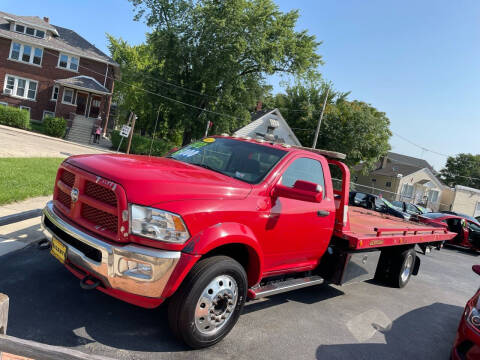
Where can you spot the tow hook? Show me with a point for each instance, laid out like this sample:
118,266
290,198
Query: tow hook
85,286
43,244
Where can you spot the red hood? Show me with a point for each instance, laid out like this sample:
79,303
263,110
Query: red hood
150,180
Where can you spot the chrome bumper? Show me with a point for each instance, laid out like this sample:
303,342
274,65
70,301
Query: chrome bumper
111,269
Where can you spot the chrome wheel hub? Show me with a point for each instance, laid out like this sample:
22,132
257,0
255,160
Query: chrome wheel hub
408,267
216,304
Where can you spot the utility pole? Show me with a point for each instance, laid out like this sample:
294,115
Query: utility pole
320,120
134,117
209,124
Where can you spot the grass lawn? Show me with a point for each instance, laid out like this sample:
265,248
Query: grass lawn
22,178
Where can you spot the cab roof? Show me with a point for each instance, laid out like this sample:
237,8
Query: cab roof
327,153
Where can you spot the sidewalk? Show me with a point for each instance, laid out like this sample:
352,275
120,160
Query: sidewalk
20,234
21,143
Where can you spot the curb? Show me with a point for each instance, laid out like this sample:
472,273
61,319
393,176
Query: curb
31,133
21,216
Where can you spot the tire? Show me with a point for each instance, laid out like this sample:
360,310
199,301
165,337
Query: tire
402,268
395,267
209,301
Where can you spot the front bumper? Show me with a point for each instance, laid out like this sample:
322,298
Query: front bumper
102,260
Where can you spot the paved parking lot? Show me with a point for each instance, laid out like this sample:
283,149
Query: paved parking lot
359,321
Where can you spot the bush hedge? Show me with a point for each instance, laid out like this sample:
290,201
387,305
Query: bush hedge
54,126
13,116
141,144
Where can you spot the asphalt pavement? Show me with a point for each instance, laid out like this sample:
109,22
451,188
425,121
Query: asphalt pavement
358,321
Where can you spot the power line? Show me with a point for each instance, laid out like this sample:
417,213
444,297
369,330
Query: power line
219,113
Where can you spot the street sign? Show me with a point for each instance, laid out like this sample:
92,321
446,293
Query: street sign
125,130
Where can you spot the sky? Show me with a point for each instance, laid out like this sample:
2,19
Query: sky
417,61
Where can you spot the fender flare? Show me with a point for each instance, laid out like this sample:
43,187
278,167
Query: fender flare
225,234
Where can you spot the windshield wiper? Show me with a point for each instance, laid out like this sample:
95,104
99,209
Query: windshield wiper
206,166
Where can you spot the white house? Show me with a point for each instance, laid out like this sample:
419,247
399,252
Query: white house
269,125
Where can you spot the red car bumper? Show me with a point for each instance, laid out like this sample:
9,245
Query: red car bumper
467,341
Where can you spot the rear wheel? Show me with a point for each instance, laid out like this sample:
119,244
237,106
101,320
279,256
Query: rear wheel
208,303
395,267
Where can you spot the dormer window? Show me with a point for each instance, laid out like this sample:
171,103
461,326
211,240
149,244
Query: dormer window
29,31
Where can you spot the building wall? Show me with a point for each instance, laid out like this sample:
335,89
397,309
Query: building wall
364,183
446,200
420,191
45,75
466,201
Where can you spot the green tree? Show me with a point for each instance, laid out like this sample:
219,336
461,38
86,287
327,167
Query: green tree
218,53
352,127
462,169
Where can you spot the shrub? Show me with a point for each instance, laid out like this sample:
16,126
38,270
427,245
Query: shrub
54,126
141,144
12,116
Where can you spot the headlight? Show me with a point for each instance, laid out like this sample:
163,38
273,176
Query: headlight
473,316
157,224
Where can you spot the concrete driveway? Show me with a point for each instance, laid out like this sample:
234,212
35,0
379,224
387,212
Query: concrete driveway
359,321
21,143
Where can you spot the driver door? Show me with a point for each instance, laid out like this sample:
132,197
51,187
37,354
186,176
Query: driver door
297,232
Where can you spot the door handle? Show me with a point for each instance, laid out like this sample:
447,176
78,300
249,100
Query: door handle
323,213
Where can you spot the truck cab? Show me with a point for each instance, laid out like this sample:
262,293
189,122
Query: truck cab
213,223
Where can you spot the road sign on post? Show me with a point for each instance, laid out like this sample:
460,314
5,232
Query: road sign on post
125,130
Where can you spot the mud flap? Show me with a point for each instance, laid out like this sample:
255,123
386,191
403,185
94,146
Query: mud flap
416,266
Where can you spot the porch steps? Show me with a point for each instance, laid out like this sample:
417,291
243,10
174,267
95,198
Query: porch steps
81,130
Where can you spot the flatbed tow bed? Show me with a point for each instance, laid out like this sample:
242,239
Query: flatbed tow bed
364,232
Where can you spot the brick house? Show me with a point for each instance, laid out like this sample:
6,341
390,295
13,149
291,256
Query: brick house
52,71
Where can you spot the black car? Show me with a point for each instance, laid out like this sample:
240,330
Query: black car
376,203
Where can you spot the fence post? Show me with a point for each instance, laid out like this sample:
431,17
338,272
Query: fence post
3,313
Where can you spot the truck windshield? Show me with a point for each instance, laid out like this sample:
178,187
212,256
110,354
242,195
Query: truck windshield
241,160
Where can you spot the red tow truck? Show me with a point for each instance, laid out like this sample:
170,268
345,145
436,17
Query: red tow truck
219,221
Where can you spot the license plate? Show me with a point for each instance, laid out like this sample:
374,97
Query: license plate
58,250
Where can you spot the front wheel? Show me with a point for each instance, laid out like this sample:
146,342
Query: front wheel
208,303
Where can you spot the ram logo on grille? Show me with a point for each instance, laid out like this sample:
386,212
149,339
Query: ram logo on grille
74,194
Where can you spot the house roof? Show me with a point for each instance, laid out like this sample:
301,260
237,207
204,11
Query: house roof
409,160
83,82
64,40
398,164
257,120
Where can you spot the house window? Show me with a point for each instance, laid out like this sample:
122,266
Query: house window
47,113
40,34
68,62
19,87
26,53
407,191
388,184
432,196
30,31
26,108
19,28
67,96
55,93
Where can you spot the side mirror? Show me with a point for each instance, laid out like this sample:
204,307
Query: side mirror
476,269
301,190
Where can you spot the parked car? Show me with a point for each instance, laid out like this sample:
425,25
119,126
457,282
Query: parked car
376,203
468,232
216,222
412,209
468,217
467,341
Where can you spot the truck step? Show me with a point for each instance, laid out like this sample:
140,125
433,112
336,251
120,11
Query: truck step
284,286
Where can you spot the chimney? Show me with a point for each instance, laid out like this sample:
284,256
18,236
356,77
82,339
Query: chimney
46,19
259,106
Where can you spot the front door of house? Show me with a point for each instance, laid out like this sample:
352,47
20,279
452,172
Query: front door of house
95,106
82,99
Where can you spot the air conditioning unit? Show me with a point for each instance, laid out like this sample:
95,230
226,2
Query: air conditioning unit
7,91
